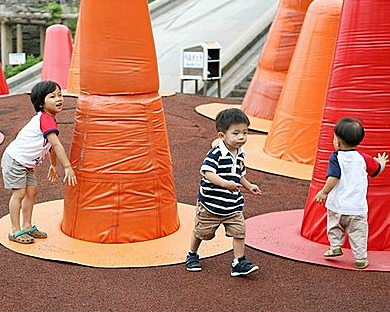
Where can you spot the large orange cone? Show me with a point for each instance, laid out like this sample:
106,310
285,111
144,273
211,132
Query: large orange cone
296,125
74,70
57,55
120,153
358,87
290,146
264,90
3,83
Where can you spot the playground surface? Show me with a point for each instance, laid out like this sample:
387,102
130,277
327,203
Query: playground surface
32,284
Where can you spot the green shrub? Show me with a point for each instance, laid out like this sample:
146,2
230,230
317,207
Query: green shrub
55,10
31,60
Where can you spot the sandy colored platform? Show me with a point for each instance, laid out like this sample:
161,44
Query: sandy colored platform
163,251
257,159
279,233
211,110
165,93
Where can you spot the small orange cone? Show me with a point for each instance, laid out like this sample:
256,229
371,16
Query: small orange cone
264,90
57,55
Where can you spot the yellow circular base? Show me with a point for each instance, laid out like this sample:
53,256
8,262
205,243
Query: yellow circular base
170,249
165,93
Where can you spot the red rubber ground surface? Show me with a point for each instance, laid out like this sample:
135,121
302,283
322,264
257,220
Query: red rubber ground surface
30,284
279,233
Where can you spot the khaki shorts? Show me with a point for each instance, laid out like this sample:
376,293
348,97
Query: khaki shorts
206,223
15,175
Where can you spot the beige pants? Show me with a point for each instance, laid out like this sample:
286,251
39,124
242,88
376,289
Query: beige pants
355,226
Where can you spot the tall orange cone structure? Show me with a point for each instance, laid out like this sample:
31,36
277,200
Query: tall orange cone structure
264,90
57,55
296,125
358,87
120,153
289,148
74,70
3,83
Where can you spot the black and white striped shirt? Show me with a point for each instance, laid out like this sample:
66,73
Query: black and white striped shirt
216,199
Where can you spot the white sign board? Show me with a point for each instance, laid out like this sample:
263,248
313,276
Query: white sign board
17,58
193,59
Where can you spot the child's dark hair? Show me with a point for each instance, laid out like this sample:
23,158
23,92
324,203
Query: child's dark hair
39,92
350,130
229,117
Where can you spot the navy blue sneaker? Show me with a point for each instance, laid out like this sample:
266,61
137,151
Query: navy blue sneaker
243,267
193,262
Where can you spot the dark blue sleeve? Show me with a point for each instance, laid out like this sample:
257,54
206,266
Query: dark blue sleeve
333,167
210,163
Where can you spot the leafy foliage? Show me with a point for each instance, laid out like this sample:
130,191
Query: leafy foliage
31,60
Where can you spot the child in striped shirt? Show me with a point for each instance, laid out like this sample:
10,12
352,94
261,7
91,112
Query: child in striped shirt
220,200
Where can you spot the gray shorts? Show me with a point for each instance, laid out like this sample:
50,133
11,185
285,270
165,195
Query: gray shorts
15,175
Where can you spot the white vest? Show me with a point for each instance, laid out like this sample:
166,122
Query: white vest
348,197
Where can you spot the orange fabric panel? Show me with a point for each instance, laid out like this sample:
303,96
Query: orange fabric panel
120,152
74,70
117,48
3,83
359,88
264,90
57,55
296,125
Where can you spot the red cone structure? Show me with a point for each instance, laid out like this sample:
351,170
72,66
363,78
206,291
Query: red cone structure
358,87
296,125
264,90
57,55
3,83
120,152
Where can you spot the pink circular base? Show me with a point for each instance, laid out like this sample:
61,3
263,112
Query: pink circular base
1,138
279,233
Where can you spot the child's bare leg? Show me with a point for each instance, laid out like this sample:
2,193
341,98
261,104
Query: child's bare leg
238,247
27,206
195,243
15,203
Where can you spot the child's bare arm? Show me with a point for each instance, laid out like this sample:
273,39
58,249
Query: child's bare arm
382,160
217,180
253,188
52,174
53,158
329,185
61,154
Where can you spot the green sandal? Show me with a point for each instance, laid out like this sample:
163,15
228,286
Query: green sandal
34,232
21,237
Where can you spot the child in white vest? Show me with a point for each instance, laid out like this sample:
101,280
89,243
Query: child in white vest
345,191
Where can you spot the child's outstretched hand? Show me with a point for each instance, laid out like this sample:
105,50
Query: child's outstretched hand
382,159
232,186
52,174
254,189
320,197
70,176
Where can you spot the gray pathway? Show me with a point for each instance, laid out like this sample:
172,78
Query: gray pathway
193,21
232,23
